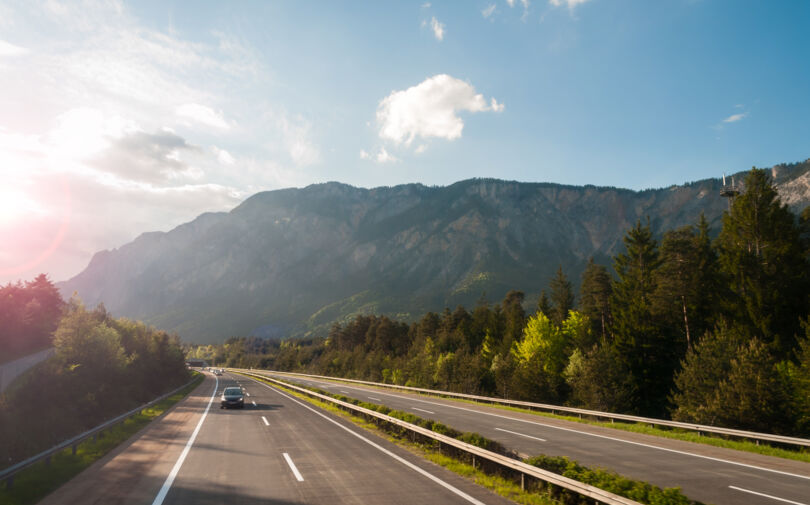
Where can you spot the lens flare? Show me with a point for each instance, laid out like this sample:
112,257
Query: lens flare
14,206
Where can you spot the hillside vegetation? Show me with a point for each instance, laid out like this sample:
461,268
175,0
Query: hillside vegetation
714,331
103,367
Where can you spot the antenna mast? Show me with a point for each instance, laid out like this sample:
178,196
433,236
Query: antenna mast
729,191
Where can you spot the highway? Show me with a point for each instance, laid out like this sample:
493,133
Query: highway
276,450
705,473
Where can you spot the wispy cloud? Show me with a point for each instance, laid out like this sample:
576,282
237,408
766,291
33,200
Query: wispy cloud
438,29
128,106
735,117
9,49
570,3
203,114
488,11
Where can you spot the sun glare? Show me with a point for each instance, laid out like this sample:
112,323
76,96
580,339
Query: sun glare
15,206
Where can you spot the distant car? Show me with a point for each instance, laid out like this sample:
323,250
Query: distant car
217,372
232,397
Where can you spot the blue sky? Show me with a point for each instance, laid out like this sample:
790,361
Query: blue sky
118,118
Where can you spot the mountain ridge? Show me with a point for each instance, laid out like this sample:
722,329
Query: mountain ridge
289,262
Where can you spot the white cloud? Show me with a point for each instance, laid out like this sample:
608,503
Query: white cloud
570,3
438,29
426,5
487,12
420,149
382,156
9,49
735,117
203,114
430,109
223,156
525,4
296,138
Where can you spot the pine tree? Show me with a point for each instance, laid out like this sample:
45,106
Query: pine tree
543,305
687,284
637,338
762,259
514,318
562,297
706,364
595,297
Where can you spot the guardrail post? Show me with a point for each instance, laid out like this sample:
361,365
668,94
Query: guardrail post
48,461
523,482
73,449
9,482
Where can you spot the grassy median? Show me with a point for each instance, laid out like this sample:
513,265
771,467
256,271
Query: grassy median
39,480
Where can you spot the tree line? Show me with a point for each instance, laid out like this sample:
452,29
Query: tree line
29,313
697,326
102,367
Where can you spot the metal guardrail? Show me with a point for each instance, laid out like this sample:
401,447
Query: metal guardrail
9,473
524,469
751,435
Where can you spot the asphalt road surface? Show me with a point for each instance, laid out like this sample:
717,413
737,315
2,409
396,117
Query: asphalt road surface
705,473
277,450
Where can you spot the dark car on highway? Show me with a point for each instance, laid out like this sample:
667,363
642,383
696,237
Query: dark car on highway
232,397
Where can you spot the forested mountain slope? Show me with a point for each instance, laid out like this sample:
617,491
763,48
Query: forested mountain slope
292,261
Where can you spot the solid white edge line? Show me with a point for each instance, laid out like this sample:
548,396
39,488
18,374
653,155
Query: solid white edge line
521,434
405,462
170,479
265,421
684,453
344,392
766,495
293,468
422,410
375,399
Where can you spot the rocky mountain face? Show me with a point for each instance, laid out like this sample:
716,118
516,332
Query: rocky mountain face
293,261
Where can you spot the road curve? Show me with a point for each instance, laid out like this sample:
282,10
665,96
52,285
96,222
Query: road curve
705,473
279,451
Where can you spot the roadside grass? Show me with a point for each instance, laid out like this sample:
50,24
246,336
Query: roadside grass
640,491
39,480
499,485
801,454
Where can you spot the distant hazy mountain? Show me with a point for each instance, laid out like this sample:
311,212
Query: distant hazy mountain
292,261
